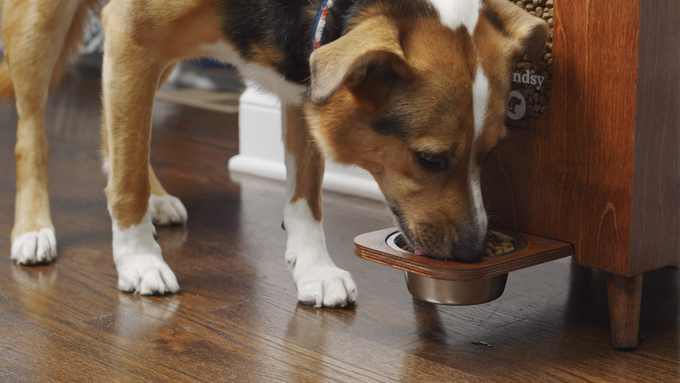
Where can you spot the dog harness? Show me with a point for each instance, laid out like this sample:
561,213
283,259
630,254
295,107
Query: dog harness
320,23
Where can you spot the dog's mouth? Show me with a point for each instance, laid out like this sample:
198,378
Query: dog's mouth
494,243
406,235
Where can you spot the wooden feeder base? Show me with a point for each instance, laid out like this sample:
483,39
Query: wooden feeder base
533,251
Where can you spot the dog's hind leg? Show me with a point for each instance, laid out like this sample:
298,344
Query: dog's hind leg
319,281
35,37
165,209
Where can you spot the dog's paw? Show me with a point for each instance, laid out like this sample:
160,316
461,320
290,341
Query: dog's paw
167,210
326,286
146,275
35,247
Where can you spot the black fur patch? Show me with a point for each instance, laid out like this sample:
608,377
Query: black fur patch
286,26
282,25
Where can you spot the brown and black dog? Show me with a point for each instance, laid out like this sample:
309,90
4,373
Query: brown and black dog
40,37
414,91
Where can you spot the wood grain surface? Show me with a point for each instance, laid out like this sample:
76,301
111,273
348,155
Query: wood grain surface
600,169
372,246
625,298
655,239
236,318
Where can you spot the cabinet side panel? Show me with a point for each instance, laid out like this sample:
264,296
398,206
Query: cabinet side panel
656,182
570,175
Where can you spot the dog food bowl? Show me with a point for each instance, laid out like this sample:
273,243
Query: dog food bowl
455,292
446,292
456,283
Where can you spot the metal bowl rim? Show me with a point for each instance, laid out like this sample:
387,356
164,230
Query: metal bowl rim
520,243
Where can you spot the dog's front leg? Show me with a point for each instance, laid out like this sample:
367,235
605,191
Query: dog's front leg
131,76
319,281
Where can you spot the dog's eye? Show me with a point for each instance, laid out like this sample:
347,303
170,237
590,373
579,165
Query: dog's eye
432,161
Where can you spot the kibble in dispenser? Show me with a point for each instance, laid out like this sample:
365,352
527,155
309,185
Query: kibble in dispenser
531,81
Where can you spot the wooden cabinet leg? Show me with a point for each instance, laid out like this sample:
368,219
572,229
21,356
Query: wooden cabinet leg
625,296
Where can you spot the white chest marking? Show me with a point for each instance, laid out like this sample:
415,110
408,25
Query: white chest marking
457,13
480,100
480,103
262,77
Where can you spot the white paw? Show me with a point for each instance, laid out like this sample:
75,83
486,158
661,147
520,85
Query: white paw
140,264
146,275
35,247
167,210
326,286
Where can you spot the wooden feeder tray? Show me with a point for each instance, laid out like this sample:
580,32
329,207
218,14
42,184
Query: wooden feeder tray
530,250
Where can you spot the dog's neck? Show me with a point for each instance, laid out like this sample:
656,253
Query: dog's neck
279,36
278,33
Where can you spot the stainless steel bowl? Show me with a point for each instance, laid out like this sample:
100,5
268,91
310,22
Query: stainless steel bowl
455,292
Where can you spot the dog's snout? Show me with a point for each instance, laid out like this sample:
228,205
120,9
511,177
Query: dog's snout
469,249
468,254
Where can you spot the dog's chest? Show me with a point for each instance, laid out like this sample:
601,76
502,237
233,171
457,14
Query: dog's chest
256,74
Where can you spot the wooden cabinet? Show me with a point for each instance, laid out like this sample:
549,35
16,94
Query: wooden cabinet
601,168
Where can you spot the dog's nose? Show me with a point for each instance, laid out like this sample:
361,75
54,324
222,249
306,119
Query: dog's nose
469,250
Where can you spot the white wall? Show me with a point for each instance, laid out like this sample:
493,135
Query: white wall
261,149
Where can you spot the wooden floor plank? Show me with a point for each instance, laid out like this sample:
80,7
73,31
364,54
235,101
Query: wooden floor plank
237,317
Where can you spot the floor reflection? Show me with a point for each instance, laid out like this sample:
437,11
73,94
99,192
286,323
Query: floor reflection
138,317
309,328
172,237
37,278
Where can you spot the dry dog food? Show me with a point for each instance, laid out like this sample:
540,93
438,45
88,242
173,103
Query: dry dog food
496,243
531,82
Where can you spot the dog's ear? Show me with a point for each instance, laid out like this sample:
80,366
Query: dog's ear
367,60
530,32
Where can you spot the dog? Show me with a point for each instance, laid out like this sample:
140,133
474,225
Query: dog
414,91
40,38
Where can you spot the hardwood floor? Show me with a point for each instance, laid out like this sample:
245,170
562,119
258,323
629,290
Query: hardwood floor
236,317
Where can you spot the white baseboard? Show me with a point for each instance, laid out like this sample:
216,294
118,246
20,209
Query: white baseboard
333,181
261,149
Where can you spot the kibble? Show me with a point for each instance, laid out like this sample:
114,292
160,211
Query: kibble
495,243
535,105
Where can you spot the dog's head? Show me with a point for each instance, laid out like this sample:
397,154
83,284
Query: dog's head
419,98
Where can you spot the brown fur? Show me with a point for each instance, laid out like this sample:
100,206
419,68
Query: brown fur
145,56
415,71
268,55
6,87
40,38
37,48
15,26
432,98
309,163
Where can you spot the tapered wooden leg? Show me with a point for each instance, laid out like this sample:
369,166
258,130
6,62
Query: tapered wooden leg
625,296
